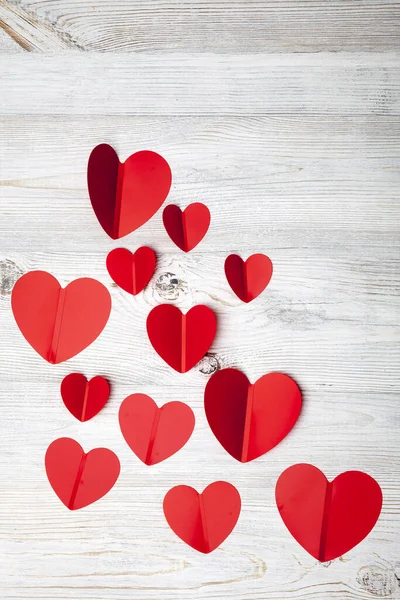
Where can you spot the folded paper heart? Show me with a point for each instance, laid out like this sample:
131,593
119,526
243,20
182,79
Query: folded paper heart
153,433
83,398
59,322
181,340
186,228
131,272
77,478
250,419
327,518
248,278
203,521
126,195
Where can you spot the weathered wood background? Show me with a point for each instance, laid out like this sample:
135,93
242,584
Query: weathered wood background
283,117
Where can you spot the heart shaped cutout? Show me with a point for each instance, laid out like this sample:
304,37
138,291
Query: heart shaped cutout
250,419
248,278
131,272
83,398
186,229
327,518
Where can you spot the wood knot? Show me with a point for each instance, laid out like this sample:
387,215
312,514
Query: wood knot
170,287
9,273
209,364
378,580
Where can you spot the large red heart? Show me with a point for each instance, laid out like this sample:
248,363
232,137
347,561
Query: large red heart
126,195
186,229
248,279
153,433
77,478
83,398
59,322
327,518
132,272
250,419
181,340
203,521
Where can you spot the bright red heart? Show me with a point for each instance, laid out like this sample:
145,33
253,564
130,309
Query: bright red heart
126,195
153,433
248,279
132,272
186,229
59,322
77,478
250,419
327,518
181,340
83,398
203,521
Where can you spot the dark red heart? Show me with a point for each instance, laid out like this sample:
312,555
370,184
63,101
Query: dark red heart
153,433
248,279
186,229
83,398
250,419
327,518
126,195
59,322
181,340
203,521
77,478
132,272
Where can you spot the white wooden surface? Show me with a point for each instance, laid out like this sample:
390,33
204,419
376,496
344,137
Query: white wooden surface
283,117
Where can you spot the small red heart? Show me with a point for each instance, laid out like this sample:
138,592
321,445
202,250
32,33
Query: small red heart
59,322
203,521
132,272
327,518
248,279
250,419
83,398
181,340
153,433
126,195
77,478
186,229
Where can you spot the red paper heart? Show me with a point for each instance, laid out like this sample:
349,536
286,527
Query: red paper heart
181,340
248,279
77,478
126,195
153,433
59,322
327,518
203,521
186,229
250,419
132,272
83,398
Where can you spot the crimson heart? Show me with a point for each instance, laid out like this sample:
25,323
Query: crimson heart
131,272
181,340
186,229
59,322
153,433
248,279
126,195
77,478
83,398
250,419
203,521
327,518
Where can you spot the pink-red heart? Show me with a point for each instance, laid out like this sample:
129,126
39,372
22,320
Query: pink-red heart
131,272
83,398
250,419
327,518
59,322
77,478
248,278
186,229
153,433
126,195
203,521
181,340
